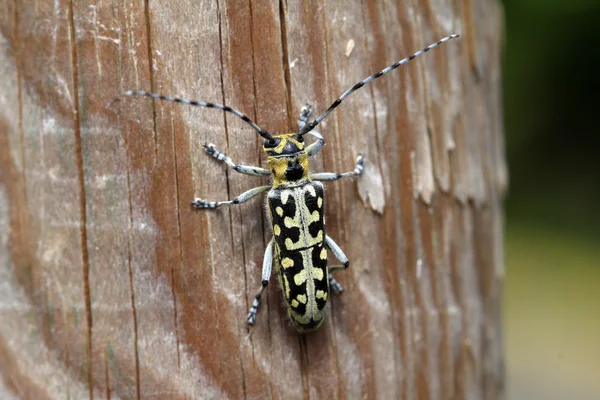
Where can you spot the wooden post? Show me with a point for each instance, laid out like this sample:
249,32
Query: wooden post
111,286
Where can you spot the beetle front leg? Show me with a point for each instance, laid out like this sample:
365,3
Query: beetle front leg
202,204
332,176
305,113
266,274
314,148
242,169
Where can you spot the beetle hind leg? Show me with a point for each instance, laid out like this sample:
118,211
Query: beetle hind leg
266,274
335,286
255,303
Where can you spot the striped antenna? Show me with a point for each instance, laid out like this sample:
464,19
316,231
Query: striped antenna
260,131
310,126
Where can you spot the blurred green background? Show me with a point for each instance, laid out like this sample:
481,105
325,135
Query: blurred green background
552,290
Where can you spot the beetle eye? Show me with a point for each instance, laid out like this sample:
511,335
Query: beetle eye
299,138
271,143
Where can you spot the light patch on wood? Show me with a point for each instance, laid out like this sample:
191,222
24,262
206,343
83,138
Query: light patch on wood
349,47
40,364
370,187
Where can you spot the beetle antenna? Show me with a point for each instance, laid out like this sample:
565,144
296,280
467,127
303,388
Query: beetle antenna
311,125
157,96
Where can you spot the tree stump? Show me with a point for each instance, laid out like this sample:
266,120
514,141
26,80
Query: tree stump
112,286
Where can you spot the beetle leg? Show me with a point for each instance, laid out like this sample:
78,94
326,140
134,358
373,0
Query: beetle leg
332,176
315,147
335,286
305,113
266,274
201,204
341,257
242,169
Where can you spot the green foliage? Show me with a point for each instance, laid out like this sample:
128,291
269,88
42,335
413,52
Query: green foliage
551,88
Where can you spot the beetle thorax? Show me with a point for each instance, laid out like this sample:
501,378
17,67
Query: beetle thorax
289,170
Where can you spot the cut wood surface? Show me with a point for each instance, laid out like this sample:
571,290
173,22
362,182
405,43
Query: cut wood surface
112,286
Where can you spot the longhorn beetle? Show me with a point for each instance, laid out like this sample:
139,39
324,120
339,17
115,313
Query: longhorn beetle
296,208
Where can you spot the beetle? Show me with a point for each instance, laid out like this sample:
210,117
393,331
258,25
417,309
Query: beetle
295,204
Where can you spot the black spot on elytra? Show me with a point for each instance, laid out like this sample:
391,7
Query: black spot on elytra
315,227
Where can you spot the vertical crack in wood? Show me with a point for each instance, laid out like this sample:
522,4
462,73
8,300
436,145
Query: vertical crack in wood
151,76
106,375
377,145
334,314
230,211
285,64
266,296
82,199
181,261
131,288
17,55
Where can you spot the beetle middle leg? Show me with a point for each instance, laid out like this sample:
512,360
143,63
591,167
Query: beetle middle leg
332,176
341,257
266,274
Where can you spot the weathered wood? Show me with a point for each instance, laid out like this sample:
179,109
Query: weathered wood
112,286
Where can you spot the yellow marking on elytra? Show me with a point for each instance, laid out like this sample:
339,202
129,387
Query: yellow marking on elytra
291,222
289,244
279,211
321,295
286,286
320,236
284,196
287,263
314,217
277,230
323,254
295,303
301,298
300,277
317,273
310,189
320,202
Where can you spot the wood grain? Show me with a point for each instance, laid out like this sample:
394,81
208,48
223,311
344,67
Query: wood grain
111,286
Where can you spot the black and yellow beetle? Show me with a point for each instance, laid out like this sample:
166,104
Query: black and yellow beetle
296,209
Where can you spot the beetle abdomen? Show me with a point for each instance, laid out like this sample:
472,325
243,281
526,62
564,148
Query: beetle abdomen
303,277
